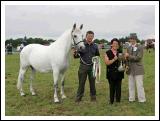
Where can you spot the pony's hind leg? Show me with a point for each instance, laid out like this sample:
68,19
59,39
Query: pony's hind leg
31,80
62,86
56,77
21,80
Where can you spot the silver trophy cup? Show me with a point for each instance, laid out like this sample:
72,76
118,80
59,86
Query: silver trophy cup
121,66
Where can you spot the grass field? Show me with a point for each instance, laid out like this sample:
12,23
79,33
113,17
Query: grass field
42,105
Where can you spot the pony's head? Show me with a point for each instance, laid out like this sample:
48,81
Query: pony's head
77,37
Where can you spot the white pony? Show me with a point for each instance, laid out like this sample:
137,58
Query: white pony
54,57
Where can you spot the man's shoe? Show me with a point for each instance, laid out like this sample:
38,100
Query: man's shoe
77,100
93,98
118,101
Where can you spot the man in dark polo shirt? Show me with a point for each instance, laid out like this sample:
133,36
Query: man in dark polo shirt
86,65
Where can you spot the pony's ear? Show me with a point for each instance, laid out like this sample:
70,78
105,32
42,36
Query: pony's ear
74,27
81,26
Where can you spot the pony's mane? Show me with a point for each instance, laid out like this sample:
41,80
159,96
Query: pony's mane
64,34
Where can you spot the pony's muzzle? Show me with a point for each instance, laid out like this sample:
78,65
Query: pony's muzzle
82,47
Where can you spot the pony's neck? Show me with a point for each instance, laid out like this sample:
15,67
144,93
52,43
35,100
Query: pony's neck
64,42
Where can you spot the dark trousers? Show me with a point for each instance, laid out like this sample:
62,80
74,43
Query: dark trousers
115,89
83,72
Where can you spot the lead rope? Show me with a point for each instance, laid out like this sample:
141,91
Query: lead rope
88,64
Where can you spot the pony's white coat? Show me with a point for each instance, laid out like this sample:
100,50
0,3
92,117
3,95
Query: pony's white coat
54,57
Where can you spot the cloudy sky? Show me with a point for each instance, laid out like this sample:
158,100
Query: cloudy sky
107,21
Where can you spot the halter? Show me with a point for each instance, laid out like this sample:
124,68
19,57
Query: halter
75,44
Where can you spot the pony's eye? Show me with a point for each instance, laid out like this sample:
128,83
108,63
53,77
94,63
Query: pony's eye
75,36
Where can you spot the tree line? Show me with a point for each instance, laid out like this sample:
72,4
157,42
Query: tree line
18,41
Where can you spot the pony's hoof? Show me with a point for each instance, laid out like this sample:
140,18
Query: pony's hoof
33,94
63,97
56,101
22,94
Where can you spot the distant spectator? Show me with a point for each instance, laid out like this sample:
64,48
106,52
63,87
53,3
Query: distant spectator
9,48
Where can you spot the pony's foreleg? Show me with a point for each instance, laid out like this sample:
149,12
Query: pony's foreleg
62,86
31,80
56,77
20,81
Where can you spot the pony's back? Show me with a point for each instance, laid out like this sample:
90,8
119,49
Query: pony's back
31,53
